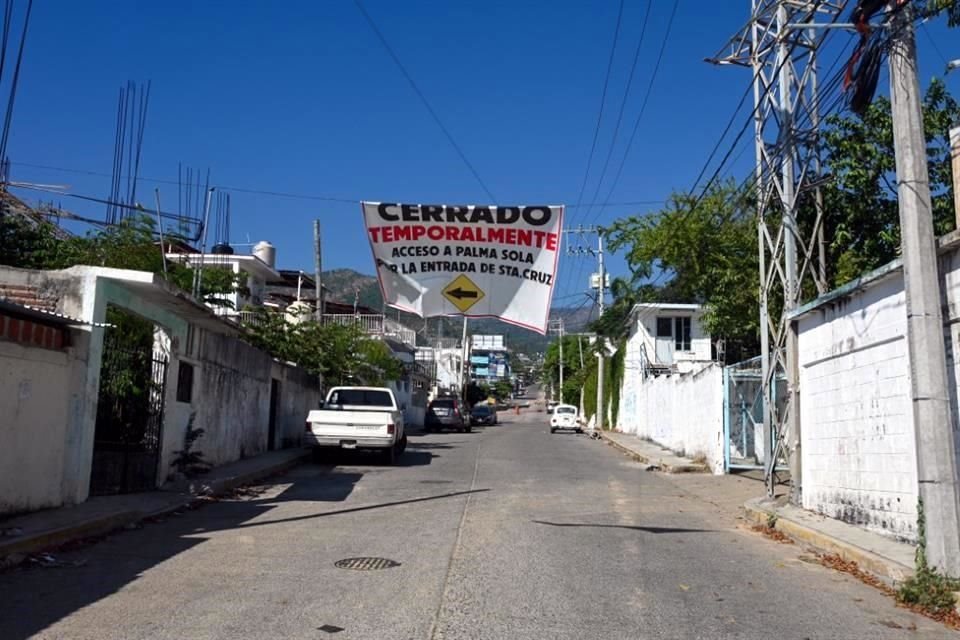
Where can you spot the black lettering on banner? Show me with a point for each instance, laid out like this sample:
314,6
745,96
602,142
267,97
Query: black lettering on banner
431,213
530,215
482,214
536,216
384,212
507,215
447,251
487,267
457,214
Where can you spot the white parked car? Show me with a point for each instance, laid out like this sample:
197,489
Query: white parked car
565,417
358,418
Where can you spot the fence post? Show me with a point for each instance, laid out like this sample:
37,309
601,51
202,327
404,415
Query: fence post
726,420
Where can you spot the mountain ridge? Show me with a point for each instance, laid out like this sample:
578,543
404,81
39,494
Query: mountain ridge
346,285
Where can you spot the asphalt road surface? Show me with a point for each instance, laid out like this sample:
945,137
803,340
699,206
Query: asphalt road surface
507,532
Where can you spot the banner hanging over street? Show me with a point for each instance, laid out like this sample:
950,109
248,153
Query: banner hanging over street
475,261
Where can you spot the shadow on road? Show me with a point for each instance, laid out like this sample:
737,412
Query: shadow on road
338,512
625,526
32,598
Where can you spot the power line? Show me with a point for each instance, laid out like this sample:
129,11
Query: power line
423,98
623,105
278,194
923,27
643,106
16,80
603,99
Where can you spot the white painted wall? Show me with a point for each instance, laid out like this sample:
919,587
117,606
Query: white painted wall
36,396
858,448
682,412
33,426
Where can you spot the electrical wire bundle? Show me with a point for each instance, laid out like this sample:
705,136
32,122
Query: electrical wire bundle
863,69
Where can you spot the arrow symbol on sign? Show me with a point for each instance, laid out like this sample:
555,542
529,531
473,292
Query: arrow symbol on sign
460,294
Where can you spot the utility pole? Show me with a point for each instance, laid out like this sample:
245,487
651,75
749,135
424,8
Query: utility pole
580,346
598,281
464,357
601,294
198,270
932,420
318,269
557,326
955,163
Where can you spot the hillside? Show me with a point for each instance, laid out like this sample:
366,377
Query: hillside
345,284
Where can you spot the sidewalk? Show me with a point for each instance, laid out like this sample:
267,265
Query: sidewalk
889,560
885,558
34,532
652,454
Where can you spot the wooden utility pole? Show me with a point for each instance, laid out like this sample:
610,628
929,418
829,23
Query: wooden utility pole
932,420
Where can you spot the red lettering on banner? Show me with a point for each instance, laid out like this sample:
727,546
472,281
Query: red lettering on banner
473,234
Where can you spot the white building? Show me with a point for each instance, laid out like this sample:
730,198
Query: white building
672,391
256,270
666,336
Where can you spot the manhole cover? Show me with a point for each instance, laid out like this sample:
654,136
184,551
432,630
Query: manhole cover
366,564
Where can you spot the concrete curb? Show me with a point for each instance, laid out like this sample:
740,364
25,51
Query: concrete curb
639,457
14,551
890,571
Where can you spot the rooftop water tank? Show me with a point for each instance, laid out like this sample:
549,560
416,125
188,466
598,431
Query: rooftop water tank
222,249
266,252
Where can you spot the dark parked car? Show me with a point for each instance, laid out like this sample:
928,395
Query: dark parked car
483,414
445,413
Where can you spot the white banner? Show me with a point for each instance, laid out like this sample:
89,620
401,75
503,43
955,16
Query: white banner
475,261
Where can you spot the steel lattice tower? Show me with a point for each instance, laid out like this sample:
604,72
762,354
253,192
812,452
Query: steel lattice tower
780,44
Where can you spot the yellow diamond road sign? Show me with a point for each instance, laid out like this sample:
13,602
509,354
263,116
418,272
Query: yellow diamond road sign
462,293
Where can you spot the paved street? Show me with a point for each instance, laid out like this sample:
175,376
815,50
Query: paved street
506,532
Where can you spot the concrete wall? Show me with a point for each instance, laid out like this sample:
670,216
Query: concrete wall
682,412
231,400
37,395
858,448
230,393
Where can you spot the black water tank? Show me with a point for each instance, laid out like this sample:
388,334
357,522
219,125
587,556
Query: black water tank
222,249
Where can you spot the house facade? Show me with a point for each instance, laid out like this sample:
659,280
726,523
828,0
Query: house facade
667,337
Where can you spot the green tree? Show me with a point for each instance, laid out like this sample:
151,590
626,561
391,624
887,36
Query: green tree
502,389
706,248
862,218
573,373
340,354
476,392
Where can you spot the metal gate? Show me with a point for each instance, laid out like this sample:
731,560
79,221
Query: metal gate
744,446
126,447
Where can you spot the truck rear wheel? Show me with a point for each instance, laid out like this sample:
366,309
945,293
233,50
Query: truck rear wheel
390,455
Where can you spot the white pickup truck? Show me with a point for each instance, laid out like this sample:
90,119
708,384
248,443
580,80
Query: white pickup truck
358,418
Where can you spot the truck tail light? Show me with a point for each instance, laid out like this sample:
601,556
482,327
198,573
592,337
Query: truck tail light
391,429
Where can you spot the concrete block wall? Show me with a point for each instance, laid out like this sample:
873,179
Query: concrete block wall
682,412
858,449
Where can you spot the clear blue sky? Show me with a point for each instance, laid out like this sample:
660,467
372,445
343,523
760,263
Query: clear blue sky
301,97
